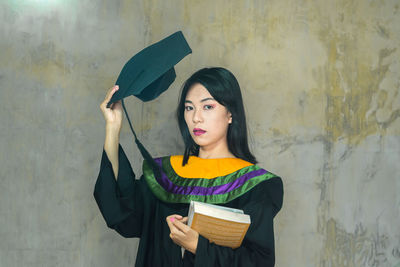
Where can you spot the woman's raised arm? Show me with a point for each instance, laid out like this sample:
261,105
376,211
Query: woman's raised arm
113,118
118,194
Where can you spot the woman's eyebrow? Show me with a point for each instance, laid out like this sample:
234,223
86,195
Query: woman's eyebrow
205,99
208,98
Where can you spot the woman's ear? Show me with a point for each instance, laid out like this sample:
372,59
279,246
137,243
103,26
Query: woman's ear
230,117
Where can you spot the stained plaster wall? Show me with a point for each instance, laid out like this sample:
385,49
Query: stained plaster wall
320,81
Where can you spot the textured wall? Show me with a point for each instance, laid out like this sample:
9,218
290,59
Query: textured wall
321,84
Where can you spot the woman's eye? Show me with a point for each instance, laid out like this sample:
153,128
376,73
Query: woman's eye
208,107
188,108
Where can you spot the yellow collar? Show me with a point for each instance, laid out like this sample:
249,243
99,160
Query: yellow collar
206,168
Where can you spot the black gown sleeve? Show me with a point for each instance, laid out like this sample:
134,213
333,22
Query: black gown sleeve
120,201
257,248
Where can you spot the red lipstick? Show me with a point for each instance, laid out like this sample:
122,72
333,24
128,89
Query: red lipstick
198,131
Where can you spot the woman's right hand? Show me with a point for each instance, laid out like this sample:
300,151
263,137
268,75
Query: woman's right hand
113,114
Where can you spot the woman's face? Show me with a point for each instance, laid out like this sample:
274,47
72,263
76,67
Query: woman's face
206,119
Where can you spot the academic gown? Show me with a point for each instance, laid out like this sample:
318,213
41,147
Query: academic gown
139,207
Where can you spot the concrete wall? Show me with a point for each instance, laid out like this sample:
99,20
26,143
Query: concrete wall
321,84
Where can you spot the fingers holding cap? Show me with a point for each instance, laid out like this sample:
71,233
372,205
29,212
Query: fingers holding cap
109,95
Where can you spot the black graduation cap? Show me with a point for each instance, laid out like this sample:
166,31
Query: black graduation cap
151,71
148,74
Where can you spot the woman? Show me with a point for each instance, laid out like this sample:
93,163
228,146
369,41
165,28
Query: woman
216,167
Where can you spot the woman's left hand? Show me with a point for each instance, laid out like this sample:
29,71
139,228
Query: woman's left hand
182,234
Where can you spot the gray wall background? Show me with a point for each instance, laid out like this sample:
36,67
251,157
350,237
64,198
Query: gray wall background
320,81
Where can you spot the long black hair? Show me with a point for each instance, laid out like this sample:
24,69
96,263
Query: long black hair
225,89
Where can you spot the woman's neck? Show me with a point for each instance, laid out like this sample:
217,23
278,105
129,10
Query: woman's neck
216,152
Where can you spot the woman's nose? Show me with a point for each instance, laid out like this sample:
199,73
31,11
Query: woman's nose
197,116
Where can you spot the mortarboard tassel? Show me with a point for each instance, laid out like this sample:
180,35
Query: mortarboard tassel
146,155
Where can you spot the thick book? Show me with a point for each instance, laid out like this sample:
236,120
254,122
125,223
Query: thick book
221,225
